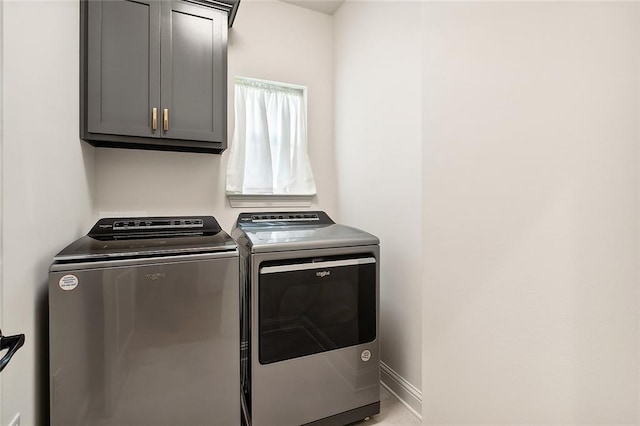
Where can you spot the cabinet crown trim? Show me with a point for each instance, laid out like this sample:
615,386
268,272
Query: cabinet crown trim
229,6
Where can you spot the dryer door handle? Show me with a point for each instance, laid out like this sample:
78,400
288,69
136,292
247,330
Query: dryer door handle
317,265
11,344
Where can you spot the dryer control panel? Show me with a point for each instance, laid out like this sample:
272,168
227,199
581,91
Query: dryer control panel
314,218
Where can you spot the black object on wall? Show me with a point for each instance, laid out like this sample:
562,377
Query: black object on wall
11,344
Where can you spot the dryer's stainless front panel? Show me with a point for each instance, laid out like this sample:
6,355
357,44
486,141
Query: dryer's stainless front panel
315,351
306,389
153,344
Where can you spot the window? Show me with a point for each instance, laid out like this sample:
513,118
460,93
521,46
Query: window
268,154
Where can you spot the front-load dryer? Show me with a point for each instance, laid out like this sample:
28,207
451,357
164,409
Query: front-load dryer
310,303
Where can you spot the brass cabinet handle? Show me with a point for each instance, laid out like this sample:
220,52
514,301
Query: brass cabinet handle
165,119
154,119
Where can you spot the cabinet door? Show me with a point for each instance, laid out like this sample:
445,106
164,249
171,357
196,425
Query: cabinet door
123,69
194,64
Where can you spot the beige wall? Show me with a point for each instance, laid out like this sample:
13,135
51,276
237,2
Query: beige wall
269,40
528,200
530,207
378,153
46,182
1,168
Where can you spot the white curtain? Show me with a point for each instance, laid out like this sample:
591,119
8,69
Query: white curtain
268,153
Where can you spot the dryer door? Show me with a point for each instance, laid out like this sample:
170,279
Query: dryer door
311,306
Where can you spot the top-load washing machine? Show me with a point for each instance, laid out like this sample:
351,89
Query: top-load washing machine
144,325
309,315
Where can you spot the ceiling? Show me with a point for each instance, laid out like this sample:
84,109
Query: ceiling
323,6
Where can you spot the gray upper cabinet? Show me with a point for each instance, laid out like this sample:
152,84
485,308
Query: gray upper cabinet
123,67
193,64
154,74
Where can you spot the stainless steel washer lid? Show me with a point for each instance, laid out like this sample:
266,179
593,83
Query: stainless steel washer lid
121,238
271,232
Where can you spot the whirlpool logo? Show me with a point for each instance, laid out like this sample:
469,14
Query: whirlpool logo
155,276
323,274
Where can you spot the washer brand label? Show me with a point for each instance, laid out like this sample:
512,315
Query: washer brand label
68,282
323,274
155,276
365,355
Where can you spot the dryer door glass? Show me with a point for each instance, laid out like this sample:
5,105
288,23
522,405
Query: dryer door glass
310,306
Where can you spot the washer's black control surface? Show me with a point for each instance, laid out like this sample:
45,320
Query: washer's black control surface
140,227
148,236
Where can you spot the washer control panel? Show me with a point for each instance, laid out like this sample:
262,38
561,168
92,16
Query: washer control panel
138,224
150,227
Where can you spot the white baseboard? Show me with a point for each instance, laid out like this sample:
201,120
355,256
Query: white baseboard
398,386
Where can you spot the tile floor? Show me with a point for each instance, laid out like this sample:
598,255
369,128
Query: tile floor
392,413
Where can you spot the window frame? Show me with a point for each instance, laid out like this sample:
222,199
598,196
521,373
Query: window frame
272,200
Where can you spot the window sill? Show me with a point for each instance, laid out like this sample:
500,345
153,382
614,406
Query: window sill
252,201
